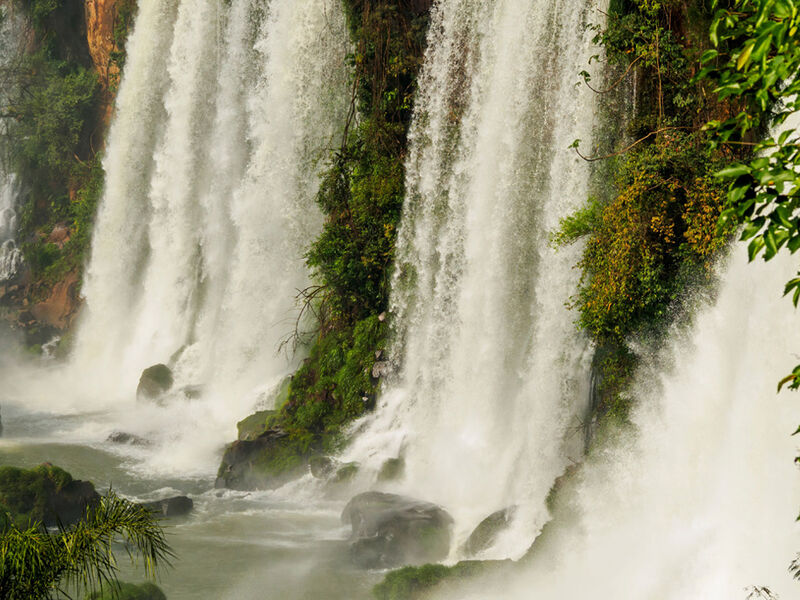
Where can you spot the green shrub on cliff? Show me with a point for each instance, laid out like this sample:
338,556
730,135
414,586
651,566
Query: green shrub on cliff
654,233
361,195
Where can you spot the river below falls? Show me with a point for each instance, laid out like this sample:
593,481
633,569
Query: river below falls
234,545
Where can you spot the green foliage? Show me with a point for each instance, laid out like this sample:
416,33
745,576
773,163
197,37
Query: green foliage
656,230
36,564
362,192
334,385
25,494
755,61
659,228
361,195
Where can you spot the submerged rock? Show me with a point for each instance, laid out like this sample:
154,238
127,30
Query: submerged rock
154,382
485,534
177,506
390,530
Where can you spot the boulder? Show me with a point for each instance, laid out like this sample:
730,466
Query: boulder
390,530
253,426
392,469
485,534
177,506
45,494
130,439
264,463
154,382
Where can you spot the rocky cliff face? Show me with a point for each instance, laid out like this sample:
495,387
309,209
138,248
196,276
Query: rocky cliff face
102,16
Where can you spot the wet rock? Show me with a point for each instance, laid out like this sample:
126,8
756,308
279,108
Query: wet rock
253,426
392,469
177,506
485,534
154,382
390,530
192,392
45,494
345,473
266,462
321,467
130,439
381,368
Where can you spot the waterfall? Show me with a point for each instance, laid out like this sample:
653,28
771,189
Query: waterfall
486,405
702,502
10,255
11,43
224,114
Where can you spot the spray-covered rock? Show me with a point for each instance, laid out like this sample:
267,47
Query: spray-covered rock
154,382
487,531
391,530
176,506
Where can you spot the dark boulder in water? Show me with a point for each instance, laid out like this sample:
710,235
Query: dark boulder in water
125,438
154,382
177,506
391,530
485,534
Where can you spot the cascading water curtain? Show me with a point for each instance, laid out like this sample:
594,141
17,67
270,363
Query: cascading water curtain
486,404
702,501
225,113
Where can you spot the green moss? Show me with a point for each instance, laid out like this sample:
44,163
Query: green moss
392,469
411,583
26,494
128,591
654,233
361,193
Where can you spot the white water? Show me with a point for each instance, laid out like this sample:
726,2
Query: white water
703,502
11,41
493,376
223,113
10,254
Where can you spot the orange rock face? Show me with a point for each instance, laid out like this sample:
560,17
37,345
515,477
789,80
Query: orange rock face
100,17
62,305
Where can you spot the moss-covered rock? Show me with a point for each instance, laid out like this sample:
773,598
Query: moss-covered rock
128,591
254,425
392,469
412,583
345,473
390,530
154,382
45,494
266,462
485,534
